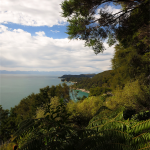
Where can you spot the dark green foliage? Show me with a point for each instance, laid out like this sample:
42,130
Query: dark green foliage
28,106
113,133
4,130
99,80
131,59
117,133
62,91
134,30
81,98
8,124
98,91
52,91
48,132
141,116
75,79
84,25
129,64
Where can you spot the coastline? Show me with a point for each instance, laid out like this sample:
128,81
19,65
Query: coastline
69,81
83,90
72,82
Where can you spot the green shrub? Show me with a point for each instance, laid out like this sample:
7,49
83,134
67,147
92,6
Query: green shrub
87,108
55,101
132,96
98,91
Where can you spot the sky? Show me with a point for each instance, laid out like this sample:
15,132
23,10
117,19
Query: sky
33,38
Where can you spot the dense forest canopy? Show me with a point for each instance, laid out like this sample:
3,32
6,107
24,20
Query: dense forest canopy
96,81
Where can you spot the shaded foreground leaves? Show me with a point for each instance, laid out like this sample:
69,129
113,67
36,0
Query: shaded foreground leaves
52,133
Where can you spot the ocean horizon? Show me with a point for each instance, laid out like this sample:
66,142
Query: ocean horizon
15,87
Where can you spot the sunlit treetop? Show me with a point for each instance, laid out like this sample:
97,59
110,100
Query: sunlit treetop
92,21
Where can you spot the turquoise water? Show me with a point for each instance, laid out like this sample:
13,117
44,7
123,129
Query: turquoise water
79,94
14,87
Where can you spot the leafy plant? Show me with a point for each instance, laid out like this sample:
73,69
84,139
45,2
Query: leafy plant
112,132
50,132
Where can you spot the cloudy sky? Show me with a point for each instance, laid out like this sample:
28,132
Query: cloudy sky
32,37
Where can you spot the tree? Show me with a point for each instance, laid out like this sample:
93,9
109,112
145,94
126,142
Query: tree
135,29
62,91
4,131
98,91
85,26
131,58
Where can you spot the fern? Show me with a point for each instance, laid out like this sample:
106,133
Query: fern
54,132
46,132
122,134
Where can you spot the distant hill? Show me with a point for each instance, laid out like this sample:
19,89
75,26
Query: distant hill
57,73
96,81
78,76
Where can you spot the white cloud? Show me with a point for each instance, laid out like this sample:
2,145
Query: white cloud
3,28
22,51
54,31
32,13
41,33
113,10
109,9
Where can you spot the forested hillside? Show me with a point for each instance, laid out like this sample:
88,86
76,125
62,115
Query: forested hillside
97,81
116,115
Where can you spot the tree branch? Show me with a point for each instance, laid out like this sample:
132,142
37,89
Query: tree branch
116,14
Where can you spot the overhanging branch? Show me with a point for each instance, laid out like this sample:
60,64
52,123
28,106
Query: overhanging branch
125,12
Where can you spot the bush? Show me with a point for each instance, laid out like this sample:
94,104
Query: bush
133,96
55,101
98,91
86,108
81,98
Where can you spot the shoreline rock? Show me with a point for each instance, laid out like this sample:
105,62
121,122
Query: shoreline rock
83,90
68,81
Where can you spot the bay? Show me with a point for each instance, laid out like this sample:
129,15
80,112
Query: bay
15,87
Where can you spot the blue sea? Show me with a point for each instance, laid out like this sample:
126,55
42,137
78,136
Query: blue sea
15,87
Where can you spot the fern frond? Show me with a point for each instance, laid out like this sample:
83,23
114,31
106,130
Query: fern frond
144,125
112,133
